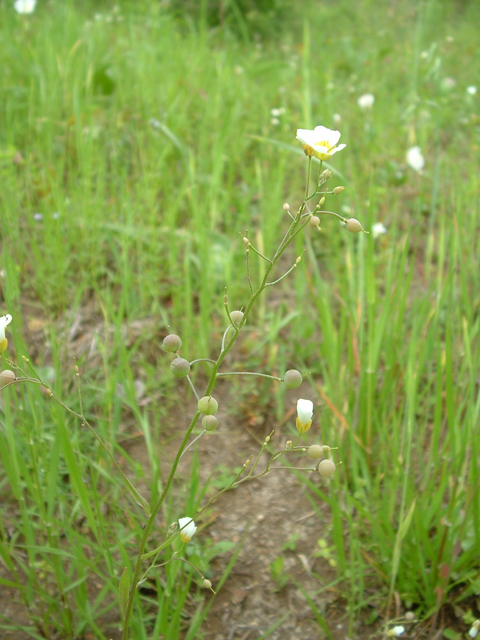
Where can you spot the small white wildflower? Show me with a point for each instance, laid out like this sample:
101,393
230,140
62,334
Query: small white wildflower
378,229
25,6
415,159
472,90
38,217
337,118
366,101
276,113
396,631
320,142
473,632
4,321
188,529
304,415
275,122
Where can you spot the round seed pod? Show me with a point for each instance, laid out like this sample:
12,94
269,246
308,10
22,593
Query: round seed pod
207,584
353,225
293,379
208,405
6,377
314,221
326,468
172,343
409,616
236,316
209,423
315,451
180,367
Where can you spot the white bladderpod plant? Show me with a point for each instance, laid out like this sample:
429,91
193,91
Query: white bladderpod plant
304,415
187,529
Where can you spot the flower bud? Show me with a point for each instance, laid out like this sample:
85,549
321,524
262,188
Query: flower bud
338,190
180,367
236,317
172,343
353,225
314,221
288,445
207,584
293,379
209,423
315,451
304,415
6,377
208,405
286,207
326,468
187,529
321,202
324,176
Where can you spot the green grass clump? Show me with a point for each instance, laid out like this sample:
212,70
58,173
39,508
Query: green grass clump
147,145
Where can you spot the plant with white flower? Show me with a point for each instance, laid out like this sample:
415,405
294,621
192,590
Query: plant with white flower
415,159
319,144
187,529
378,229
472,90
396,631
25,6
4,321
366,101
473,631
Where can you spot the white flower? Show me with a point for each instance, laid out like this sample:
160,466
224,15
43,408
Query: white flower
472,90
366,101
337,118
473,632
304,415
396,631
187,529
415,159
320,142
378,229
25,6
4,320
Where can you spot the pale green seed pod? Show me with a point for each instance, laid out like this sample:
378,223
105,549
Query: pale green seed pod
207,584
353,225
326,468
236,316
208,405
6,377
209,423
314,221
172,343
293,379
338,190
180,367
315,451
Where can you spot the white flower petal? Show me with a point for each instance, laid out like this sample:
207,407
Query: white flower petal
187,529
378,229
366,101
25,6
304,410
415,159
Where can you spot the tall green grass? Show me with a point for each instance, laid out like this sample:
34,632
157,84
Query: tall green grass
152,140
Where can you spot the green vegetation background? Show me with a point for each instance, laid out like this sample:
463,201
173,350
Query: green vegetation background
144,137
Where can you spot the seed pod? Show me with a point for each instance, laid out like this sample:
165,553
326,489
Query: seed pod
172,343
209,423
180,367
208,405
315,451
353,225
338,190
286,207
314,221
293,379
326,468
6,377
207,584
236,317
